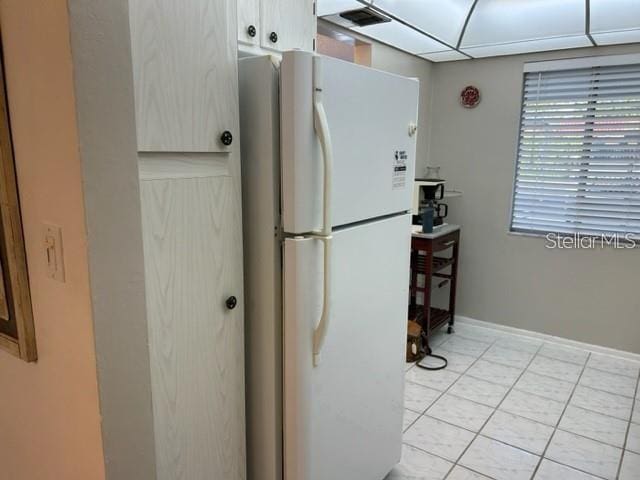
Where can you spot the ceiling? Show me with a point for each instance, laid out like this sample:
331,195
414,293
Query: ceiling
445,30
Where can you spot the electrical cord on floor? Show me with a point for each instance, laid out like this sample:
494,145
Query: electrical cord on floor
427,352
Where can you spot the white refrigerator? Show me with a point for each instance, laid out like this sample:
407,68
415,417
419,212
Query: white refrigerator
328,154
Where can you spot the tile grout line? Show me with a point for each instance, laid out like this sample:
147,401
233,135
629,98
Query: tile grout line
614,373
447,389
490,345
454,463
554,340
537,352
521,418
580,364
556,378
580,407
583,367
509,445
588,438
542,458
555,429
606,391
626,437
496,408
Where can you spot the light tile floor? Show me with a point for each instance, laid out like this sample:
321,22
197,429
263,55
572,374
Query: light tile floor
510,407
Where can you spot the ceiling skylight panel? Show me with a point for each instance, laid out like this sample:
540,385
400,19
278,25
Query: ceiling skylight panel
529,46
493,27
402,37
444,56
615,21
612,38
507,21
442,19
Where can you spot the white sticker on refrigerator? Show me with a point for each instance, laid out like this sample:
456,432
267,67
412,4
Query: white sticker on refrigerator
399,178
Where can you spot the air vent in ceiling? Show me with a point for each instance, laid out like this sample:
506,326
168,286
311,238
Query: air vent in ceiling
363,17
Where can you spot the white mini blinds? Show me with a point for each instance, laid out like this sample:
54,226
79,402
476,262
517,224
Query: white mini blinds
578,164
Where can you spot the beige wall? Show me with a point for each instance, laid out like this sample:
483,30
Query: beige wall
49,415
389,59
335,48
586,295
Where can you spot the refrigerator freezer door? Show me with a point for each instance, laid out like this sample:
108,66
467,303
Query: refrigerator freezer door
343,418
370,115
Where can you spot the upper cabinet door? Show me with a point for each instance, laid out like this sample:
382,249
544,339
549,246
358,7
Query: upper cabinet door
288,24
185,74
249,21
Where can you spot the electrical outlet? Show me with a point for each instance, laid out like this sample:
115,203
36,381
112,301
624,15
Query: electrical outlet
52,237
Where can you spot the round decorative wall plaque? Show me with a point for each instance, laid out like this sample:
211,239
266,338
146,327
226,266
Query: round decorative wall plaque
470,97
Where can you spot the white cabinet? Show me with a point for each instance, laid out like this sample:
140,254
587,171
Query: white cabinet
278,24
184,56
192,234
185,74
249,28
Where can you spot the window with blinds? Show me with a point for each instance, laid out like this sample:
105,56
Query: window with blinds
578,165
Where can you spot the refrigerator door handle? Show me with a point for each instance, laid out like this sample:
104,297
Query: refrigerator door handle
321,127
320,331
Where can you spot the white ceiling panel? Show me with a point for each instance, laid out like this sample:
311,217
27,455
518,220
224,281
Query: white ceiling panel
612,38
495,27
614,15
540,45
442,19
402,37
445,56
506,21
329,7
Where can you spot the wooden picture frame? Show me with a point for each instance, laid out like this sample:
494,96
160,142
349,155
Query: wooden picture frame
17,334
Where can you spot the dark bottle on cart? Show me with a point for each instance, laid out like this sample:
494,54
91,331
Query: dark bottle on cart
427,219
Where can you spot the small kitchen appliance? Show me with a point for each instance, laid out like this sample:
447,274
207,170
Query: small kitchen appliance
427,197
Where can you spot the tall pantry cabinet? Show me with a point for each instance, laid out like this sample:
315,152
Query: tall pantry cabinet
186,104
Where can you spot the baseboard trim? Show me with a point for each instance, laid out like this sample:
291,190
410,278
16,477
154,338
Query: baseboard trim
551,338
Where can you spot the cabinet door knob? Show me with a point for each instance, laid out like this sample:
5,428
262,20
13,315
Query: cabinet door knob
251,30
226,138
231,302
273,36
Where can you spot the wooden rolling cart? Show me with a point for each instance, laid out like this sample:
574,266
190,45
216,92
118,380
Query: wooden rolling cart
432,255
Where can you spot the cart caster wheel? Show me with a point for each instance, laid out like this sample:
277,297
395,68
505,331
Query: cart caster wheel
450,330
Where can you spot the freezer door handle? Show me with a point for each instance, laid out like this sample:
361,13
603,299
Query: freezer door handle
321,127
320,331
